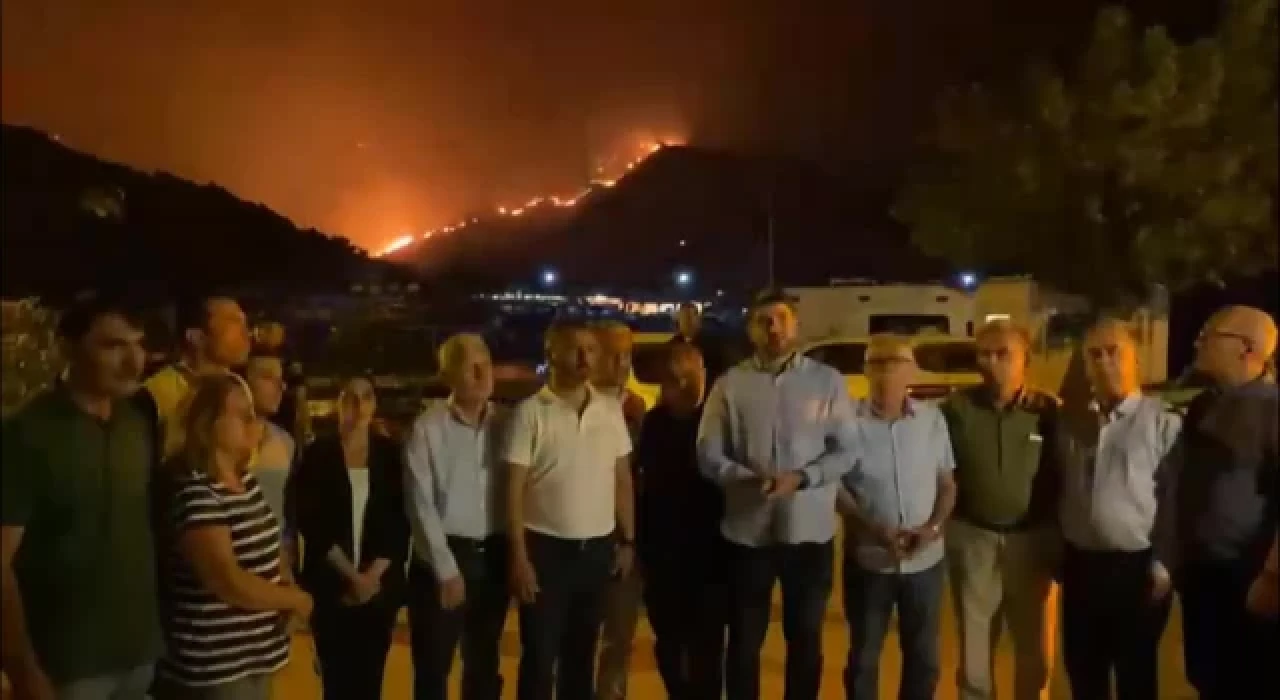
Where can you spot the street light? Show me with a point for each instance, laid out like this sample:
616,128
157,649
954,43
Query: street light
968,280
549,278
684,278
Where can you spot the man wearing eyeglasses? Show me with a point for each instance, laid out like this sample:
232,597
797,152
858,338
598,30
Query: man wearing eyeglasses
894,511
1217,522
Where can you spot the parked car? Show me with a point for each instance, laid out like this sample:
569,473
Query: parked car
945,363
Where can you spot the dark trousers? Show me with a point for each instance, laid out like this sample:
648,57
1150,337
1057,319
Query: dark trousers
686,604
805,572
560,628
1111,624
351,645
436,632
869,601
1230,654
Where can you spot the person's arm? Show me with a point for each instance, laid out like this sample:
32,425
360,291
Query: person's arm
624,495
429,540
19,656
204,540
1164,530
317,523
847,505
18,502
945,500
841,440
518,457
288,534
714,438
392,544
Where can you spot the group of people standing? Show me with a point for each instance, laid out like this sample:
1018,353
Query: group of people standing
160,539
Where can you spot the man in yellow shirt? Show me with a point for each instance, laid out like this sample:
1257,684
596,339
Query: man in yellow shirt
213,337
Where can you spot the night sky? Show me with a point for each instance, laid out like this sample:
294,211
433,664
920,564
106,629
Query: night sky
377,118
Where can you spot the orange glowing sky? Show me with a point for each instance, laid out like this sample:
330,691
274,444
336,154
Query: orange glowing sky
377,118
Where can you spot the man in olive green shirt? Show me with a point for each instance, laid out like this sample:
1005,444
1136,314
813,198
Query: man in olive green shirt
80,617
1002,543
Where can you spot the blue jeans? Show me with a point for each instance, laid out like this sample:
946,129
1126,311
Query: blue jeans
869,600
126,685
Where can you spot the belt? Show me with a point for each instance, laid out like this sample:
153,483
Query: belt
1001,528
476,545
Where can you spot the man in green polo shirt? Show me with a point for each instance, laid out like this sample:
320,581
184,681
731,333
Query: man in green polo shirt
80,617
1002,542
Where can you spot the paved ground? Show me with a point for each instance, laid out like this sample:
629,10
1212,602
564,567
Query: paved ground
298,682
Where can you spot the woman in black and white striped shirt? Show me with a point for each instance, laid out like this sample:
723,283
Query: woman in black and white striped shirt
227,605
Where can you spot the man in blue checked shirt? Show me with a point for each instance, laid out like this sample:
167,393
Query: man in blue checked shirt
894,510
777,436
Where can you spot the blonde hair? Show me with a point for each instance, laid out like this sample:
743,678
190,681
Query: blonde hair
208,400
454,349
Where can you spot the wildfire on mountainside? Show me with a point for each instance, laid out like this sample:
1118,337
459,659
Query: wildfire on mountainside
601,180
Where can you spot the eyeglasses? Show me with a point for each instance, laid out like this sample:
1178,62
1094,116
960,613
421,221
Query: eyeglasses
1248,342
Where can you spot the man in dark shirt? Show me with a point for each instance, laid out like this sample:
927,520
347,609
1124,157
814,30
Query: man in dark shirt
80,614
679,540
1218,518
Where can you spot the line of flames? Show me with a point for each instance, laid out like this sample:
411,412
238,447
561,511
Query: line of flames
409,239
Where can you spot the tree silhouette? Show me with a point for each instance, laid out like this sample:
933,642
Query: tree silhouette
1149,162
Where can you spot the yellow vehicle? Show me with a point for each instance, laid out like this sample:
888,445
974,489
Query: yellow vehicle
648,360
945,363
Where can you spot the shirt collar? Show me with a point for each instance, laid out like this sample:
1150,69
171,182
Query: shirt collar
867,409
546,395
456,414
793,361
617,392
1125,407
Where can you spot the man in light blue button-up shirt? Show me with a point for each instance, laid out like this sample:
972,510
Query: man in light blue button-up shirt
777,436
895,503
453,493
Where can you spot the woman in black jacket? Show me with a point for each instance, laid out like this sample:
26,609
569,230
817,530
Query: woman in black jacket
348,495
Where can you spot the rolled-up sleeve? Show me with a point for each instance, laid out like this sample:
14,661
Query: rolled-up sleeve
429,539
714,439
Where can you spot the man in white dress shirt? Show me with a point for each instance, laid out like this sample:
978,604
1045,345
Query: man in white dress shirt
1115,594
570,516
454,493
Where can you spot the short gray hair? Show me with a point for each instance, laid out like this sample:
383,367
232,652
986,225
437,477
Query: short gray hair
454,349
1003,326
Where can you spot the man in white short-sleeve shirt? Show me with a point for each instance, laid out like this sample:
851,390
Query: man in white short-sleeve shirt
569,494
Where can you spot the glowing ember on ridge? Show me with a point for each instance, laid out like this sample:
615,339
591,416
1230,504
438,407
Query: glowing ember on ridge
520,210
